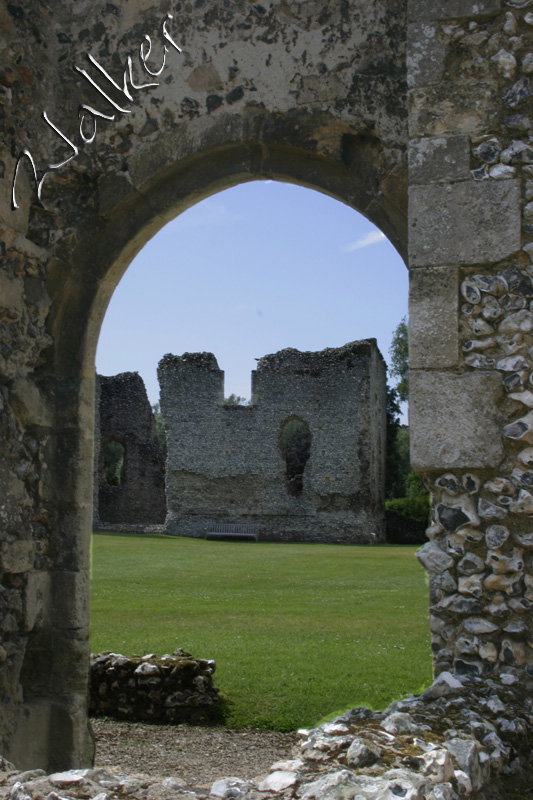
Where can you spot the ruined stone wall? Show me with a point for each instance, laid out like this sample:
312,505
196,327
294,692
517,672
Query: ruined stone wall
172,689
225,463
126,417
470,335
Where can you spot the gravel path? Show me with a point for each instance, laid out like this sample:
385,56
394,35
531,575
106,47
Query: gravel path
196,755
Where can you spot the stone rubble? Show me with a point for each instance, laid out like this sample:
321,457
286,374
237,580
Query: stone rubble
460,738
171,689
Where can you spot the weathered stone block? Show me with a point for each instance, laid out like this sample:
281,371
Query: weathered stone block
433,318
455,420
463,223
28,403
26,749
475,108
37,599
28,248
71,652
425,55
439,158
205,78
70,599
17,556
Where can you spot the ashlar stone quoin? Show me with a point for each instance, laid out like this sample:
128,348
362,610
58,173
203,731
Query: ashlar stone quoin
305,461
417,114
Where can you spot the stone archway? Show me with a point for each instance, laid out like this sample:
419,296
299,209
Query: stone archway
332,96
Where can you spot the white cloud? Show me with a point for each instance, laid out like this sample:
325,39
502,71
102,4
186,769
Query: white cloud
374,237
206,213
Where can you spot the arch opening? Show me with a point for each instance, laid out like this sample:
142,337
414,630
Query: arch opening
295,447
113,462
292,452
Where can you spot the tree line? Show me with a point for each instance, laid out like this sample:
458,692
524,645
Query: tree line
405,492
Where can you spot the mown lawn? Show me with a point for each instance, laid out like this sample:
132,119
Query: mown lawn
298,631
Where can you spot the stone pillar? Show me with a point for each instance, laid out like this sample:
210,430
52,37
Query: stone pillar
470,324
45,581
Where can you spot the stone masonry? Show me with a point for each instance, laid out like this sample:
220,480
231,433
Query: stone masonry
416,113
470,253
461,738
171,689
225,463
124,415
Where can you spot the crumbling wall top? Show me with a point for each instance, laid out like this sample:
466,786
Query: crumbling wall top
298,362
203,360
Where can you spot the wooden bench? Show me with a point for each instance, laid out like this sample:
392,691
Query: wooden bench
218,530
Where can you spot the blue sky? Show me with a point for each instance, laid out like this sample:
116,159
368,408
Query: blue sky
250,271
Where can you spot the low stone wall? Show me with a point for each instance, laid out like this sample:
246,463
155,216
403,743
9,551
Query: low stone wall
461,738
172,689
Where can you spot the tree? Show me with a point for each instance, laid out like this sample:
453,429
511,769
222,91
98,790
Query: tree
399,353
160,428
235,400
401,481
403,459
393,479
414,486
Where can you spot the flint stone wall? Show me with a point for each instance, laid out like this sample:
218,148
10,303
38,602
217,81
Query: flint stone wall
124,415
174,688
225,463
471,324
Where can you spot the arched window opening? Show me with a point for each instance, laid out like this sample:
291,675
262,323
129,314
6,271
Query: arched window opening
114,463
295,447
262,290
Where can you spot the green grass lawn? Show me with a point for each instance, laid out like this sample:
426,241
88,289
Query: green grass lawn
298,631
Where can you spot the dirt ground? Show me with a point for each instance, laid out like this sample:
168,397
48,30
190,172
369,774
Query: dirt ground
196,755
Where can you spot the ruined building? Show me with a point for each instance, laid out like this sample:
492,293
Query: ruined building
304,462
417,113
129,465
